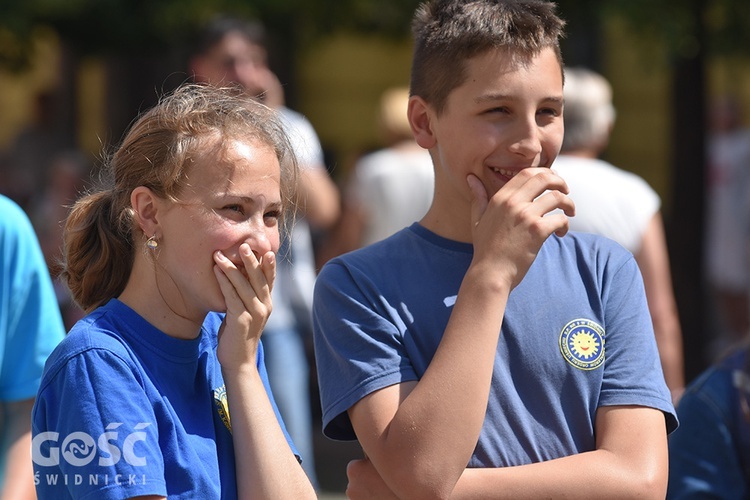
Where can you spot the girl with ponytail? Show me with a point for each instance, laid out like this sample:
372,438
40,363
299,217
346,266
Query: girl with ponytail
161,391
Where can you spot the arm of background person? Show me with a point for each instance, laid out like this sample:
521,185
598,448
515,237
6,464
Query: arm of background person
16,433
319,197
653,261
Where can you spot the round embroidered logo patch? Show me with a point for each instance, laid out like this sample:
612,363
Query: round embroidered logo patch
582,344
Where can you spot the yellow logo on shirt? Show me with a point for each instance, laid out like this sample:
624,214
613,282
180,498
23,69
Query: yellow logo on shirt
222,406
582,344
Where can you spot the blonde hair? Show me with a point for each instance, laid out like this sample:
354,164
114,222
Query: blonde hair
99,238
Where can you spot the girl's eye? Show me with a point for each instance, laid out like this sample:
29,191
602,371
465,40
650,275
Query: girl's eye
272,216
235,208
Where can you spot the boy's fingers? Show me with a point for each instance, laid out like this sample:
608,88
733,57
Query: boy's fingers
479,199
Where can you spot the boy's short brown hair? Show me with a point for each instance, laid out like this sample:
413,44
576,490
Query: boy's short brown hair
449,32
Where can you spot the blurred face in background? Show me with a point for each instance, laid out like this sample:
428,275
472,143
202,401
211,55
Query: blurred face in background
235,60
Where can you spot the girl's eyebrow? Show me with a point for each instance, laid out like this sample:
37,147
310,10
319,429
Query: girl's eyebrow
248,199
243,198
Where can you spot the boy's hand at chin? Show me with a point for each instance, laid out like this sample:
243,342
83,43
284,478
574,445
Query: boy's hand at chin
247,294
509,228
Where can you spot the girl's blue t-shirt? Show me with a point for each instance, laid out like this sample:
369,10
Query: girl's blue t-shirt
126,410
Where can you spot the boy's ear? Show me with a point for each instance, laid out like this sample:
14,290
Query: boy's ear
146,207
420,120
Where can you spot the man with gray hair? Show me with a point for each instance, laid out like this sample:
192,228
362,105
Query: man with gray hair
619,205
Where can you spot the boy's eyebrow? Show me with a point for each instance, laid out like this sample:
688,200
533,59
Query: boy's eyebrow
504,97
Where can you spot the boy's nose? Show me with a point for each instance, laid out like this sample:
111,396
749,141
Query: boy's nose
527,141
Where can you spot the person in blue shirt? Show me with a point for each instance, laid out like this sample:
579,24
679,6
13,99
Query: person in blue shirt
709,455
161,391
30,327
484,351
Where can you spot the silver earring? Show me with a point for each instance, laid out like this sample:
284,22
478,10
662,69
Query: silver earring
151,243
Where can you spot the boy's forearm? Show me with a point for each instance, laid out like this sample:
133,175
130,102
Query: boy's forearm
629,463
443,415
592,475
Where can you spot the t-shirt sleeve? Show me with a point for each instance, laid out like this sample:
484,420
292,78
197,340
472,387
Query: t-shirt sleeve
30,316
642,212
304,140
95,431
633,373
359,348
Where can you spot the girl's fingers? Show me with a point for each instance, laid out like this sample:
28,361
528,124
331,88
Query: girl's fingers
268,265
231,297
251,288
256,273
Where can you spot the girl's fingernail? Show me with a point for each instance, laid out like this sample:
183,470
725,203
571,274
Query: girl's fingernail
219,256
245,249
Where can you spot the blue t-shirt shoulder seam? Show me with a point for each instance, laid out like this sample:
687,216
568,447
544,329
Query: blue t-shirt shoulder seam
64,355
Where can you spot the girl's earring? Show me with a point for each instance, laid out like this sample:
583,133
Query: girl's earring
152,243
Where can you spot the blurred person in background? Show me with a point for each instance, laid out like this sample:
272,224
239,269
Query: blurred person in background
727,239
709,453
33,149
390,188
64,182
30,327
619,205
234,51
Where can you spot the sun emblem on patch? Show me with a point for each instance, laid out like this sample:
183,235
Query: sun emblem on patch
222,406
582,344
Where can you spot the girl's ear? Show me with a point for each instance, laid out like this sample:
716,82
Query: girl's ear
420,119
146,206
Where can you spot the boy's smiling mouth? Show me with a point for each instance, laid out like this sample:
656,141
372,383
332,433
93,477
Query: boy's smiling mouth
504,172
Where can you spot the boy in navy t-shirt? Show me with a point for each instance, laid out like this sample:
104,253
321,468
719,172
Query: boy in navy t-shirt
484,335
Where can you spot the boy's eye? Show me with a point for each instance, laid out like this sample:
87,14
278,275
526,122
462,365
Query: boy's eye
499,109
549,111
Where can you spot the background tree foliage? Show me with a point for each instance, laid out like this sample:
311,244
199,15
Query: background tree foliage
128,32
127,26
123,27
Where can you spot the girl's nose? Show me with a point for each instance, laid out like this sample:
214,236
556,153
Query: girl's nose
260,241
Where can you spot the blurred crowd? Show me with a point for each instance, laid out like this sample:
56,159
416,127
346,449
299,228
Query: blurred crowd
389,187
